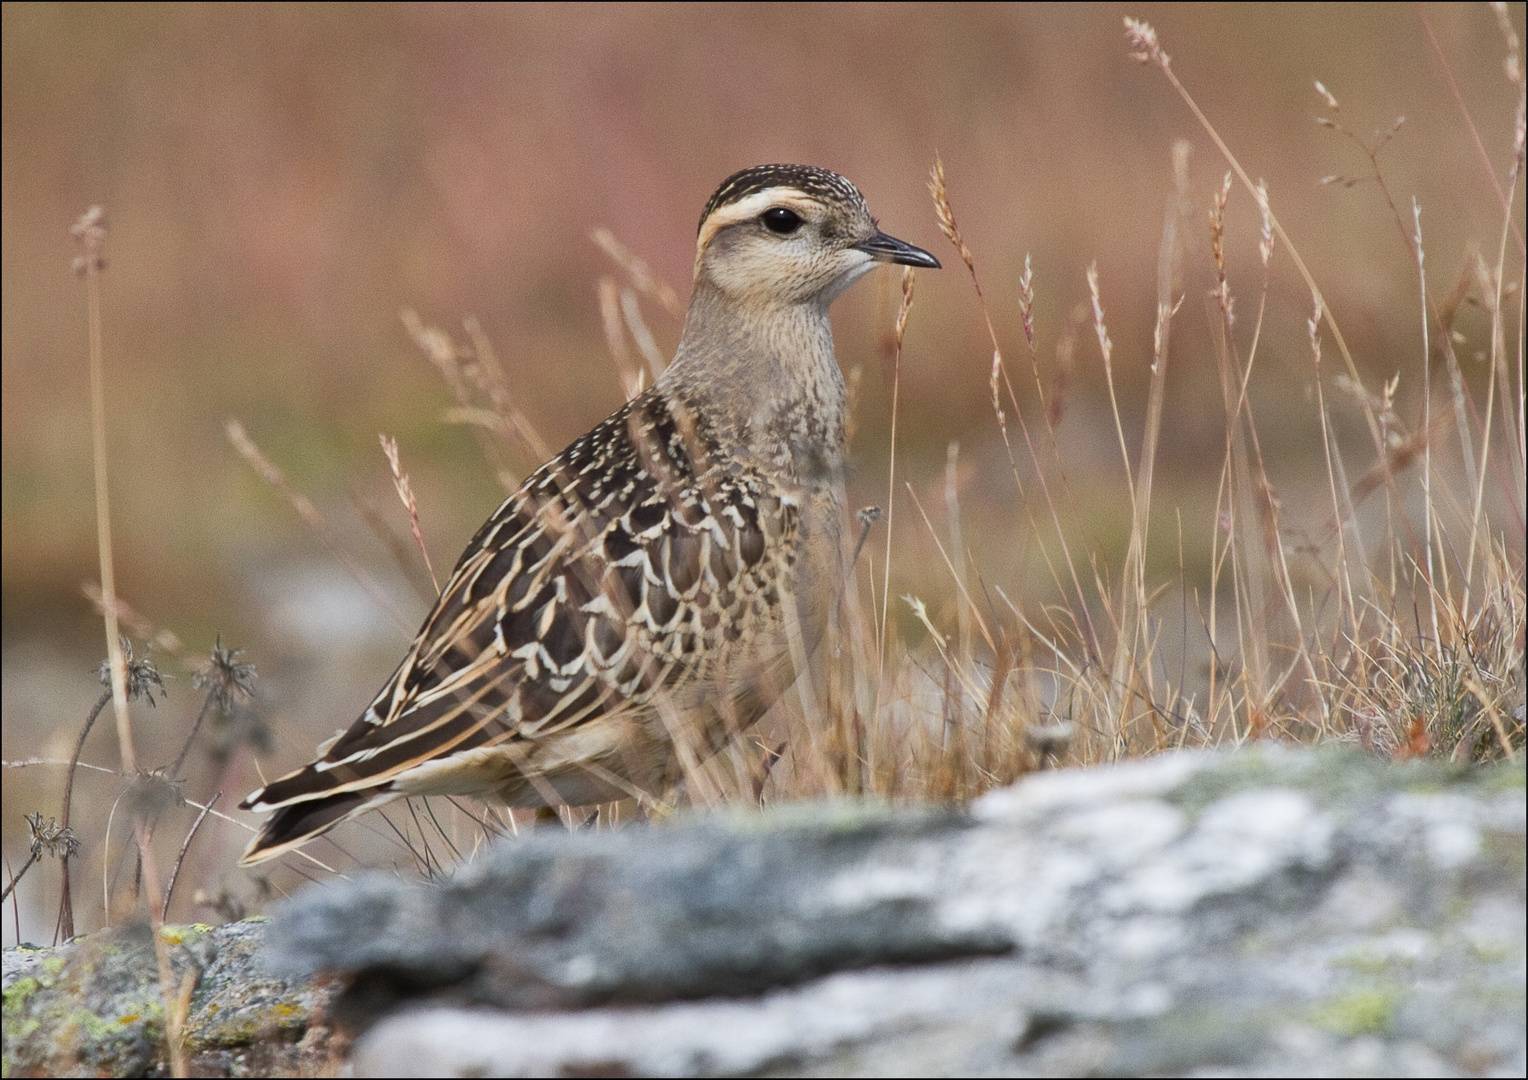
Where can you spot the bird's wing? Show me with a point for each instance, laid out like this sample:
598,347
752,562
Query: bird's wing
617,570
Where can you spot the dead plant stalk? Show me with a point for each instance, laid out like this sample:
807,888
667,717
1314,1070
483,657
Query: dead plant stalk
90,231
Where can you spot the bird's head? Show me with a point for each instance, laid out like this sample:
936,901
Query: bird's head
792,234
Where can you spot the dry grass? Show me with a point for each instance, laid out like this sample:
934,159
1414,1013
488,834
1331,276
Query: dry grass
1382,604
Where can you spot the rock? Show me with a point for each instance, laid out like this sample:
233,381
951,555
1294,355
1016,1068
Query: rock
727,904
1271,911
93,1007
1268,911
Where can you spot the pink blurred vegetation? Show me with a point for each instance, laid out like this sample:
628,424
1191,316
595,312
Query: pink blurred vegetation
1173,513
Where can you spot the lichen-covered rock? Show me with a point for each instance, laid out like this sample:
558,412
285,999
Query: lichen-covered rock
1268,912
94,1007
726,904
1264,912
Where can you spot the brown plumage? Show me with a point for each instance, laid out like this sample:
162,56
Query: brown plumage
673,567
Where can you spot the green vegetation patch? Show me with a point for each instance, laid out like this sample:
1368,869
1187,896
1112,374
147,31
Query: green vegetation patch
1365,1010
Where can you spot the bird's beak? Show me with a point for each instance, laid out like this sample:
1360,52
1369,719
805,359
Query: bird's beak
885,248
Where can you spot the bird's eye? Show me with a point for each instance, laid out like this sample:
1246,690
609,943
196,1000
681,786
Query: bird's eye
778,219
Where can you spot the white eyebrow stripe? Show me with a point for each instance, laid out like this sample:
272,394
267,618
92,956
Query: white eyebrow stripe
751,206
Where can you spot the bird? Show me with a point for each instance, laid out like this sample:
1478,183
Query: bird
670,571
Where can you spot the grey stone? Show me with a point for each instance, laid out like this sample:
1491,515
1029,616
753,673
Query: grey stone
1272,912
733,904
1265,912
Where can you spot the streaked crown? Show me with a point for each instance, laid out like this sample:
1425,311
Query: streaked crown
809,180
791,234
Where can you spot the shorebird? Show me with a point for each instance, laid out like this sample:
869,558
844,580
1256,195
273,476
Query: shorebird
668,573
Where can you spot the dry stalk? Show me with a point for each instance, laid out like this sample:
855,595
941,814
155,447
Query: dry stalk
90,231
315,521
1119,673
908,279
164,640
633,379
957,545
1441,315
470,374
945,215
1169,271
1148,50
1428,513
1246,567
631,314
960,583
1513,66
406,496
642,278
169,888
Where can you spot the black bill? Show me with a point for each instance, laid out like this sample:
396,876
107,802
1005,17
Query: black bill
889,249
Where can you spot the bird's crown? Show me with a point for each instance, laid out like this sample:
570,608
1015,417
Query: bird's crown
791,233
823,185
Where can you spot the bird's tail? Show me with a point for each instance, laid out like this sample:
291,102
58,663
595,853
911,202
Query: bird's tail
295,824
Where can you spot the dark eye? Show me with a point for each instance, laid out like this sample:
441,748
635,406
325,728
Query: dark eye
778,219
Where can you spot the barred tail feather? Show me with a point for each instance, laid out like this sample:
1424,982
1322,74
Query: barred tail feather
295,824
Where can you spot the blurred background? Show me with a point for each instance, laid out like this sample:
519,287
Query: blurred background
282,181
